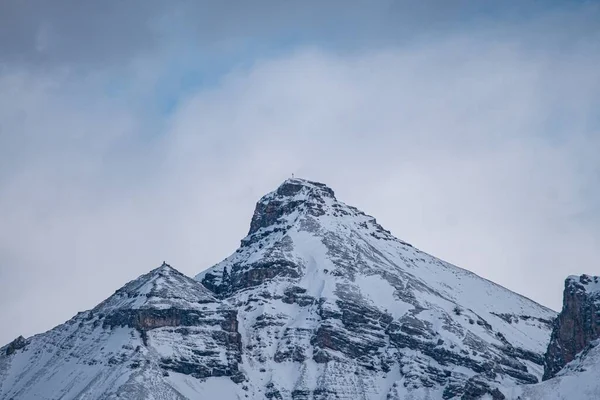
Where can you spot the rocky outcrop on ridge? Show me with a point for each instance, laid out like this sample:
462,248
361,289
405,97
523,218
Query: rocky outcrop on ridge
577,325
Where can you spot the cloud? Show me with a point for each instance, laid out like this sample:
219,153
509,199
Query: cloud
478,147
112,34
487,161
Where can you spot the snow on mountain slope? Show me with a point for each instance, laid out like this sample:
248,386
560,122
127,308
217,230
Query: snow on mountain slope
332,305
152,339
578,380
163,288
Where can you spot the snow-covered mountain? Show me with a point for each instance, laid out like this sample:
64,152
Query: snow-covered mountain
155,338
332,305
318,302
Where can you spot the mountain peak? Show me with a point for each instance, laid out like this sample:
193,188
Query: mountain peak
293,196
164,269
160,335
291,186
163,287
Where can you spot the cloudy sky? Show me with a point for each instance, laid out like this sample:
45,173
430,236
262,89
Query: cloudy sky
136,132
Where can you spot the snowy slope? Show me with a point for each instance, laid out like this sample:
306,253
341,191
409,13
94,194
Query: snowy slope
141,343
330,303
578,380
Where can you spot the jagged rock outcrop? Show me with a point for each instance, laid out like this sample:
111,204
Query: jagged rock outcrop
577,325
15,345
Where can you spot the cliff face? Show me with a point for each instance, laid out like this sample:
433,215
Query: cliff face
577,325
572,361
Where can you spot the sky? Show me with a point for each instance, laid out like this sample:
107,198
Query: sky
142,131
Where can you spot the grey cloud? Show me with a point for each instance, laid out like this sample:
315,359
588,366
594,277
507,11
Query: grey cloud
50,33
82,35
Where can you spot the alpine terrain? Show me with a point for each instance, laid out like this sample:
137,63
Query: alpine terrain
318,302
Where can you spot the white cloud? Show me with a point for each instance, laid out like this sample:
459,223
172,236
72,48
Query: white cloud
478,152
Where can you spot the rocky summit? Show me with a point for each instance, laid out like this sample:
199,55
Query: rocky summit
318,302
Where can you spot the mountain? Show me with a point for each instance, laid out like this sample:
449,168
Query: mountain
332,305
319,302
152,339
573,356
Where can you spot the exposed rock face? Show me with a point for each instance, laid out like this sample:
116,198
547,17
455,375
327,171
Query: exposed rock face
473,389
15,345
345,310
577,325
287,199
